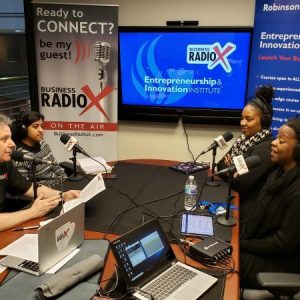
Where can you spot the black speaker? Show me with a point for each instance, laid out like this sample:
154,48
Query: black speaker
182,23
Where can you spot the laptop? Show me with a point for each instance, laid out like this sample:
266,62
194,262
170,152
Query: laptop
147,264
56,240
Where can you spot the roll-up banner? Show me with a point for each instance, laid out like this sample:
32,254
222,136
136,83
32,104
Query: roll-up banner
76,53
276,56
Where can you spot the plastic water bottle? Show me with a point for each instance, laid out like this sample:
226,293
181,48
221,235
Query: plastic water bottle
190,189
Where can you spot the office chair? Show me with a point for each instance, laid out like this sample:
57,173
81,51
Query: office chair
275,286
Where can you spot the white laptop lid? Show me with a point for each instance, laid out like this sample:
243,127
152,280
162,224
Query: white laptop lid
60,237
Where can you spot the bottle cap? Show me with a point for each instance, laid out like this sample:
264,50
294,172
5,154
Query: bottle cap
191,177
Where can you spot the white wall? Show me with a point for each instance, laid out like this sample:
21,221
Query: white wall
163,140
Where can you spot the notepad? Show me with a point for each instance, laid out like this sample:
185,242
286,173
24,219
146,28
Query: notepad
94,166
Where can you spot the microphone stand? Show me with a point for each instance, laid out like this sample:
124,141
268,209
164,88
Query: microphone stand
34,183
228,220
212,182
75,176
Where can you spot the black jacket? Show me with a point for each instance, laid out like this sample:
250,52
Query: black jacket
249,185
272,231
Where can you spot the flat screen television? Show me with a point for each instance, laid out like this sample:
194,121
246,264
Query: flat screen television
196,73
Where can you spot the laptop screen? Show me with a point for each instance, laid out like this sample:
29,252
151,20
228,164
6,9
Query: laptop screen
142,252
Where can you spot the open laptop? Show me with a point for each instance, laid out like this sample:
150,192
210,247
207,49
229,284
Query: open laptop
56,240
146,260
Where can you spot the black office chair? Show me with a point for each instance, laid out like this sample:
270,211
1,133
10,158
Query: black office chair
275,286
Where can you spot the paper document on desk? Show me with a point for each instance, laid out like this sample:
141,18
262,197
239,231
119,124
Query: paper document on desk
95,186
25,247
94,166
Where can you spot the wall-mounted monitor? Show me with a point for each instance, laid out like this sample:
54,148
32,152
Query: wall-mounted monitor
197,73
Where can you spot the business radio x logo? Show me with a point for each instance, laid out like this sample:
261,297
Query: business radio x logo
211,55
63,235
95,99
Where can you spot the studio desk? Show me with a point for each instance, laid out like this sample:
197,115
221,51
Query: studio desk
143,189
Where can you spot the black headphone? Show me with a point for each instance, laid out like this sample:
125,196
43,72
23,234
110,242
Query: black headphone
297,153
267,111
20,127
297,148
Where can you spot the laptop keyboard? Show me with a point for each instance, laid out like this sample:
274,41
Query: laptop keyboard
170,281
30,265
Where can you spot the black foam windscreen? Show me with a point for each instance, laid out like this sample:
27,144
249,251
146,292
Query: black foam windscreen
17,156
252,161
227,136
64,138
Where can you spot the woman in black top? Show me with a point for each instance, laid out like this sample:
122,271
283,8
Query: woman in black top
270,236
256,139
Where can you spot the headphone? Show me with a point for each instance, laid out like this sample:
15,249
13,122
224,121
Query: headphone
267,111
297,153
20,127
297,132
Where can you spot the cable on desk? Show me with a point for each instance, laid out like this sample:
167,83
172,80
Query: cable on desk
137,205
101,292
143,292
187,140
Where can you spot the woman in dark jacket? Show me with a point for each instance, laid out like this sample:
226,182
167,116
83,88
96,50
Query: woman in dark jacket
256,139
270,236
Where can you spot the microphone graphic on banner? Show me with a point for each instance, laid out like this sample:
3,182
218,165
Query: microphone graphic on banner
20,156
101,54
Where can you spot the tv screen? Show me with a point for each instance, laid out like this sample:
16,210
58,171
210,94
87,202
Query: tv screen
196,73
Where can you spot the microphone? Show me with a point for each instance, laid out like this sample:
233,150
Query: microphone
251,162
71,142
20,156
101,53
219,141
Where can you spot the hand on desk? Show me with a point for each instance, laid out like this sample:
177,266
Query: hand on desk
71,194
41,207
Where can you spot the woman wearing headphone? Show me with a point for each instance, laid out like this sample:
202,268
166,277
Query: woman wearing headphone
256,139
270,237
28,134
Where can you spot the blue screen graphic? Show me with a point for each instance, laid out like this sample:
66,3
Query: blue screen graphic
206,70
